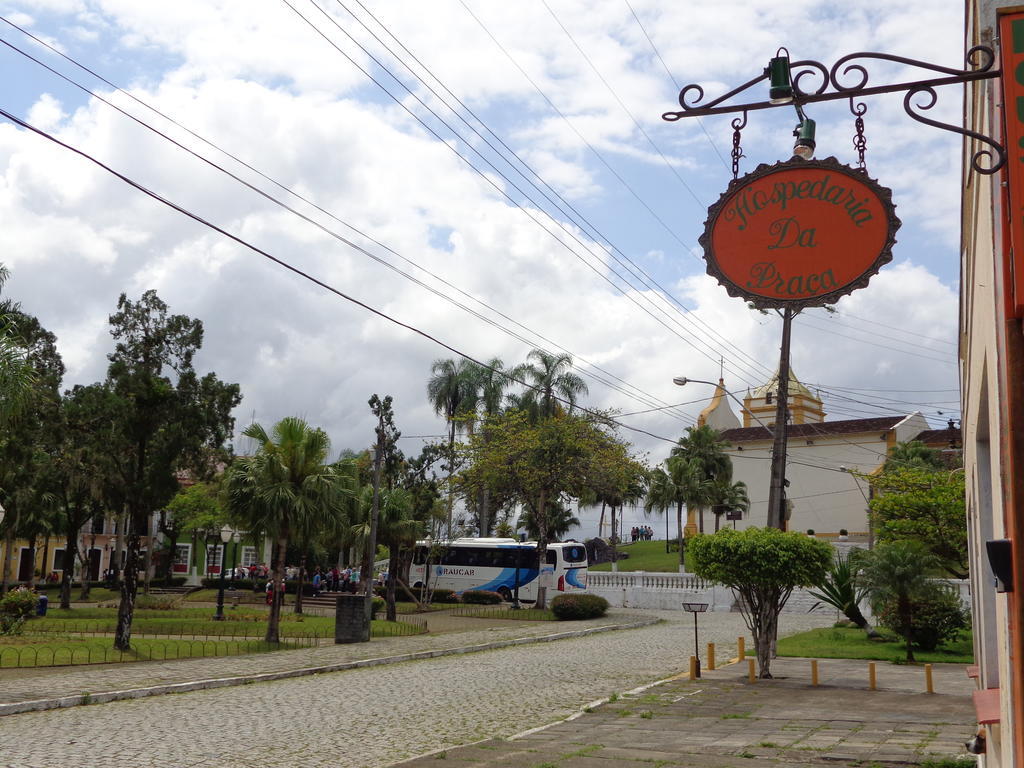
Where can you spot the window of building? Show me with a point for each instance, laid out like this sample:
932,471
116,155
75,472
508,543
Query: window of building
213,555
249,556
182,553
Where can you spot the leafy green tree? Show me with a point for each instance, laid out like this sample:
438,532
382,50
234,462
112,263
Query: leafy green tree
31,434
762,566
164,418
552,379
285,489
543,464
17,371
926,505
897,571
195,510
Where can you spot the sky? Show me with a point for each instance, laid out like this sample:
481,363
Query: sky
496,175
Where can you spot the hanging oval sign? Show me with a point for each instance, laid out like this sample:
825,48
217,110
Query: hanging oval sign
799,233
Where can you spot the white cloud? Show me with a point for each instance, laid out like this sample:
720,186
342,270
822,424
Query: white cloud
258,82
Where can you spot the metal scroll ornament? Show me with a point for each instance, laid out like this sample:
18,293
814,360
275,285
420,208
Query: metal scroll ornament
800,233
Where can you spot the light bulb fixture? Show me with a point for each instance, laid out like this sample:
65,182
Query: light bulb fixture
781,91
804,133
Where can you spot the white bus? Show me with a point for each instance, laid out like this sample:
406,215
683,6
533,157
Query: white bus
504,566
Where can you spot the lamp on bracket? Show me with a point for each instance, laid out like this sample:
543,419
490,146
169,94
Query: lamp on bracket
781,90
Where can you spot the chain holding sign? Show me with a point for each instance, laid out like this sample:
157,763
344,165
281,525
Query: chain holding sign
800,233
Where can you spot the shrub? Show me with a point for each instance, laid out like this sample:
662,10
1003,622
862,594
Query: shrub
378,605
578,606
11,625
445,596
843,532
480,597
936,617
810,531
19,603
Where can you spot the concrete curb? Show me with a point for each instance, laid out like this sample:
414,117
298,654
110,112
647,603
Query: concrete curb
38,705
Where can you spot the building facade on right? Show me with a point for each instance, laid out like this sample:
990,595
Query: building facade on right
992,378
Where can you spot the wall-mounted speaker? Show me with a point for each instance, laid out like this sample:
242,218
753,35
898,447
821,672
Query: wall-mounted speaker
1000,557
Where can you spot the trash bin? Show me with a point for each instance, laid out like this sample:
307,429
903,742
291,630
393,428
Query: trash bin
41,607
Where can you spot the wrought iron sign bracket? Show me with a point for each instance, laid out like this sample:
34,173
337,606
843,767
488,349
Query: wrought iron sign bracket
806,74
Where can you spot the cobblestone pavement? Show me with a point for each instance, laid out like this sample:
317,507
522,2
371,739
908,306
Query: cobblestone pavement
722,721
374,716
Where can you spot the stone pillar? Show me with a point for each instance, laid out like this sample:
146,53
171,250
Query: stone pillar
351,624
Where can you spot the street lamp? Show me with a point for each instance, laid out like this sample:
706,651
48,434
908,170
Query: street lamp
236,537
225,536
695,608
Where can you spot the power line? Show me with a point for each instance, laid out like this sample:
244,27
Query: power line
643,396
305,275
501,191
622,104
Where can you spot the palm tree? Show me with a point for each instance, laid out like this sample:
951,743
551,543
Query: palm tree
897,572
560,520
552,381
489,385
285,490
662,495
729,496
701,462
913,453
451,390
397,529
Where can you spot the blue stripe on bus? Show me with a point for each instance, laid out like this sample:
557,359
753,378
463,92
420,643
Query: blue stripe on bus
507,578
572,578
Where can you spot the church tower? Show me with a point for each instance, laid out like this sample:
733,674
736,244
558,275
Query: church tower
759,406
718,415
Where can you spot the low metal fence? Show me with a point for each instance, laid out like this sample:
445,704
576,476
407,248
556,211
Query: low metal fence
51,655
228,630
502,612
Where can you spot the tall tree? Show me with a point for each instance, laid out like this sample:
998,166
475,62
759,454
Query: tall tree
490,383
31,433
451,391
924,504
543,464
762,566
285,489
166,419
896,571
552,379
700,462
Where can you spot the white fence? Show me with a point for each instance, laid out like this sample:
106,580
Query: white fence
668,591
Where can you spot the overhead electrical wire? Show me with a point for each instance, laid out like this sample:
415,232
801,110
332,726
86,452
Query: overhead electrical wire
307,276
622,104
642,396
572,235
576,216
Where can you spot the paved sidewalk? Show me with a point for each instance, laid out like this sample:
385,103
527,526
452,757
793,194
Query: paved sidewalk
723,721
31,689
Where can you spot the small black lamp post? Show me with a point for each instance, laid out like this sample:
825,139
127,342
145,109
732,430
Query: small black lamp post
695,608
225,536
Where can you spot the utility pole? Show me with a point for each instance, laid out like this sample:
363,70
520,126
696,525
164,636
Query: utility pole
777,488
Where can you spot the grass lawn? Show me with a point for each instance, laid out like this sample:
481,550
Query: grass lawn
30,651
247,622
847,643
645,556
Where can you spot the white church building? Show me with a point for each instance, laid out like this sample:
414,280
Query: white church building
824,457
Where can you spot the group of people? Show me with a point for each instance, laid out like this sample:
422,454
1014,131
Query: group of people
335,580
641,533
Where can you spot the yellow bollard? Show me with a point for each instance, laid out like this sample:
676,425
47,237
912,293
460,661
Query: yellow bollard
693,667
750,670
711,655
871,676
814,672
741,652
928,684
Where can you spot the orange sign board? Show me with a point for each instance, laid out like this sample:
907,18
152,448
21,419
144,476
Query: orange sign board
799,233
1011,52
